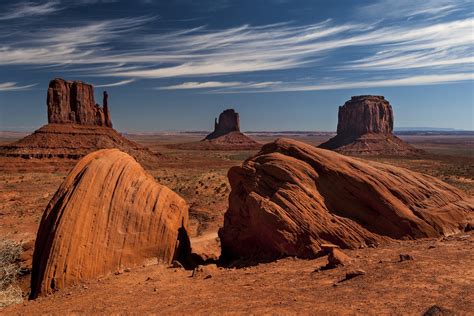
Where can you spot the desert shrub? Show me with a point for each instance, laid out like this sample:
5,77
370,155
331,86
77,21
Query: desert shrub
10,253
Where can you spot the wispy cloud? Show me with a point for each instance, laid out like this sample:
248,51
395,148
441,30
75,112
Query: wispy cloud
29,9
12,86
115,84
220,84
399,82
408,9
414,52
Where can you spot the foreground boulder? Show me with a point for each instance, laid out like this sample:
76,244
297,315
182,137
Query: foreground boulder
107,214
291,198
365,126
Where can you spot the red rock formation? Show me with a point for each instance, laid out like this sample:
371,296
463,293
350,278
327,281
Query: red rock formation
77,126
365,125
73,102
228,122
107,214
291,198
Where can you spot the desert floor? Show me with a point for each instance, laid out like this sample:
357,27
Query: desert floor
442,272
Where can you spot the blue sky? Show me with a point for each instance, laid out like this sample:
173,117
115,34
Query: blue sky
284,65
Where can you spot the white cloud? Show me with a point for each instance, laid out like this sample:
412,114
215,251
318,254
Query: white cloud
115,84
219,84
12,86
399,82
124,48
29,9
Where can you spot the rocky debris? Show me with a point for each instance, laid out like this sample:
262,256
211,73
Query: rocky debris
229,121
72,102
291,197
365,126
405,257
337,258
108,213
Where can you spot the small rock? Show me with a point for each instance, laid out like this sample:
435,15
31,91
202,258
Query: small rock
354,273
336,258
436,310
405,257
204,272
431,247
328,247
126,270
155,290
149,279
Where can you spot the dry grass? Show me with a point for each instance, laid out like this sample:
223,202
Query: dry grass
10,293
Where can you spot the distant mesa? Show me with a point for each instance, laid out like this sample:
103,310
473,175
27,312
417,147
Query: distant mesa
365,126
76,126
291,198
107,215
229,121
226,136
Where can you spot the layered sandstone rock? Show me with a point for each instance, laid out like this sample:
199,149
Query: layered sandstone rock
291,198
365,126
107,214
73,102
226,136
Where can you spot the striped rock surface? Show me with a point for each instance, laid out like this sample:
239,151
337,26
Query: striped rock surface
107,214
292,197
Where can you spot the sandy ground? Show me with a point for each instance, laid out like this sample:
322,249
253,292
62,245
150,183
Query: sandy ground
441,275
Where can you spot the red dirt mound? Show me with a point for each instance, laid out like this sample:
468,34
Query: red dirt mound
73,141
292,197
107,214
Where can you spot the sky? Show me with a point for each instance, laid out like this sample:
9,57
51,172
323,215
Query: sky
282,64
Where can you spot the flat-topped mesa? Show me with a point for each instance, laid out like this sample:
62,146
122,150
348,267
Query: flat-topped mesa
72,102
365,114
228,122
365,126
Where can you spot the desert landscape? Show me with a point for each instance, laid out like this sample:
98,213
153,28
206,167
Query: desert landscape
264,168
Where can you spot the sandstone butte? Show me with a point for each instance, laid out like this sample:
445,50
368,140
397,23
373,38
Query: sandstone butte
107,214
291,198
365,126
226,136
76,126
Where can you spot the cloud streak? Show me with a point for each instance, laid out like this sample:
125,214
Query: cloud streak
418,52
29,9
115,84
12,86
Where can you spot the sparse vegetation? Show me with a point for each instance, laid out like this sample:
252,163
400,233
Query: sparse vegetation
10,293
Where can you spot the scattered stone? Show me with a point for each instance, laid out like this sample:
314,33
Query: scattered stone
126,270
405,257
